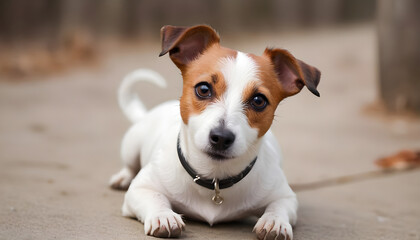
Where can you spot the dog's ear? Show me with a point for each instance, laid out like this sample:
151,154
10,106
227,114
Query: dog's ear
184,44
292,73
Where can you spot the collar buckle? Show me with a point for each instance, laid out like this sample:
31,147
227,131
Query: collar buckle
214,184
217,199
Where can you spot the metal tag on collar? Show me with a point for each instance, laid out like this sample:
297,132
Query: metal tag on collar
217,199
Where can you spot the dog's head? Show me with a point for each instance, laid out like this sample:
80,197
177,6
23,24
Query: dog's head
229,97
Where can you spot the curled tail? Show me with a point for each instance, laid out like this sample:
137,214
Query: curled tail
129,102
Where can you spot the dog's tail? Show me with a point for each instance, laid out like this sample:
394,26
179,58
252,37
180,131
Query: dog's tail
128,99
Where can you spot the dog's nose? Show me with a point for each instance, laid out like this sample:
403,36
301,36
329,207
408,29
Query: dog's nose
221,138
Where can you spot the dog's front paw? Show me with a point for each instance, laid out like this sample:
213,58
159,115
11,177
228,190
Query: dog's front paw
165,224
270,227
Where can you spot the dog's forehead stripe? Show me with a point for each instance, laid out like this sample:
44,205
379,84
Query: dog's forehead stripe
244,77
239,73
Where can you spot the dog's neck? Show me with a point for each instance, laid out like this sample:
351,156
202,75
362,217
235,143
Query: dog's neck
210,168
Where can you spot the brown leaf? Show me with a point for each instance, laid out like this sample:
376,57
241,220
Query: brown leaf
405,159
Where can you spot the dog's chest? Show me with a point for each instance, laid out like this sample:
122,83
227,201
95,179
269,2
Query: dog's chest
199,205
208,211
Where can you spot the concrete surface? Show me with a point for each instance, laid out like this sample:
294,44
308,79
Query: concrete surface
60,137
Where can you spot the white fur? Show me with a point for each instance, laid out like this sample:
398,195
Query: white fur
132,107
163,187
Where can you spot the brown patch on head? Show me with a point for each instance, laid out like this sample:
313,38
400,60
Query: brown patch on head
203,69
281,75
268,86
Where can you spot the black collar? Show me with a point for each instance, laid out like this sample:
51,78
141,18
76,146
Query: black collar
209,183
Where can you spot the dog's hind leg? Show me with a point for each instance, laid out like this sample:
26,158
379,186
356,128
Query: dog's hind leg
130,155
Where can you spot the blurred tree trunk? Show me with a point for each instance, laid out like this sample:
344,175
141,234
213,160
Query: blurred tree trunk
399,54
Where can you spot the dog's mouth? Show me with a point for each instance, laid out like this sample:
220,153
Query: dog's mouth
215,155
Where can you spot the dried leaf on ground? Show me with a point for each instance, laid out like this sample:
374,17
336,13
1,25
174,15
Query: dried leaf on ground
404,159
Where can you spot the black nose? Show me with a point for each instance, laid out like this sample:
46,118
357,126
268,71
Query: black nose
221,138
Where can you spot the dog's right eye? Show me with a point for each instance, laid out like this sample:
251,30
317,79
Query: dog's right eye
259,102
203,90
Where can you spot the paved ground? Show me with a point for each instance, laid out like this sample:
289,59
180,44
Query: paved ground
60,136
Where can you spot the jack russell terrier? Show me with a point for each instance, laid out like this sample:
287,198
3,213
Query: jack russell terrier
211,155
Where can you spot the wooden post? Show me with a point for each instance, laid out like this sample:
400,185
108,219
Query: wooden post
399,54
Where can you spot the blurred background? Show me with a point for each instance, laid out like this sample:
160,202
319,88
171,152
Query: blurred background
52,20
61,62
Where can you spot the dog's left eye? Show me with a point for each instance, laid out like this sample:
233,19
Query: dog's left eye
259,102
203,90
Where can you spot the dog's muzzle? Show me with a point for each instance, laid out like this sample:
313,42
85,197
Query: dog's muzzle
221,139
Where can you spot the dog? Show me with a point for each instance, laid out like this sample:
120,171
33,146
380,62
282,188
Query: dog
211,155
